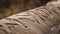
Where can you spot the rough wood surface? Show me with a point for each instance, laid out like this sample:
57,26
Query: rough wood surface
41,20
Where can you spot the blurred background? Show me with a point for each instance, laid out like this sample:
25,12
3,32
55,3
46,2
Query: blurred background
10,7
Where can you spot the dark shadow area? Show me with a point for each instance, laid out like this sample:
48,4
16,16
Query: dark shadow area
9,7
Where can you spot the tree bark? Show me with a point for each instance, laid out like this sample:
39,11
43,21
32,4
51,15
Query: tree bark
41,20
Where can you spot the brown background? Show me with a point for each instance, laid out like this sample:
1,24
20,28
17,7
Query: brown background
9,7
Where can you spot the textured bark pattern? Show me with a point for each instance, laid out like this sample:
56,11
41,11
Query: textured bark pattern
41,20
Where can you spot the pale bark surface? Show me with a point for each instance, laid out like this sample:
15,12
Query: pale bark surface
41,20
